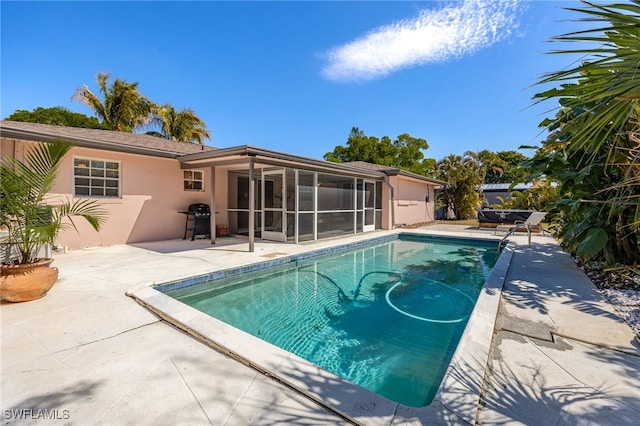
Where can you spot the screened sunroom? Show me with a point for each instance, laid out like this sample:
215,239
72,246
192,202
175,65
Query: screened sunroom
273,196
302,205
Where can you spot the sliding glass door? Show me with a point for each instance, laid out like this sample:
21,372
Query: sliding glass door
274,214
369,195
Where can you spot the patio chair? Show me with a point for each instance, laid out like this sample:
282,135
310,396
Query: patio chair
534,220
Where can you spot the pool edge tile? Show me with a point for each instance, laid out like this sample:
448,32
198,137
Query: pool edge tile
461,386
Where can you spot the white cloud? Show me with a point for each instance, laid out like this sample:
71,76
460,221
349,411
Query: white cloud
450,32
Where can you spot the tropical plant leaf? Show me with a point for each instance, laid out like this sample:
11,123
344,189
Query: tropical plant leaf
594,242
593,146
30,217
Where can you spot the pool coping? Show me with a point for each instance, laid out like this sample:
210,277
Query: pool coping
457,397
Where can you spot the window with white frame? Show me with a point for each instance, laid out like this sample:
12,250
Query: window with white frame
193,180
96,178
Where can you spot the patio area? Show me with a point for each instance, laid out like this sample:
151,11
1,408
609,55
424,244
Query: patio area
88,354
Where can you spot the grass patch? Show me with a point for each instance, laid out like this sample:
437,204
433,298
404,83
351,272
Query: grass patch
464,222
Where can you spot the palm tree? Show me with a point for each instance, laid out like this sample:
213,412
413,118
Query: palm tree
594,139
460,195
31,216
181,126
122,107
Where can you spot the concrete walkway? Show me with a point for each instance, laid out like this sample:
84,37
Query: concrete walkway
87,354
560,354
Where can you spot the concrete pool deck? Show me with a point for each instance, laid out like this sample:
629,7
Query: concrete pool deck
87,354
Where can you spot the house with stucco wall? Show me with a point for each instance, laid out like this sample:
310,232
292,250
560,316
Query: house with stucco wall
144,182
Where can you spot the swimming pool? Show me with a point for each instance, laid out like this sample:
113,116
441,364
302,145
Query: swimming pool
387,316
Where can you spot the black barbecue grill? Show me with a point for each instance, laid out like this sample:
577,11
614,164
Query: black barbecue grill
198,220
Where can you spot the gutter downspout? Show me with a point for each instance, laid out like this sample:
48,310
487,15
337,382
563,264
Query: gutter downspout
393,204
212,218
252,209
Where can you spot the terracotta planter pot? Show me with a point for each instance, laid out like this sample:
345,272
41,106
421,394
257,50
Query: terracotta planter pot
21,283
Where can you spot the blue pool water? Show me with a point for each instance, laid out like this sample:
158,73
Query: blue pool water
387,317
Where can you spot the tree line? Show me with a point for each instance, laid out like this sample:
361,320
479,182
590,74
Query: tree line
464,174
121,107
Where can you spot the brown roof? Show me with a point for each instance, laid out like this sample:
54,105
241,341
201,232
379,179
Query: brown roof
242,153
100,139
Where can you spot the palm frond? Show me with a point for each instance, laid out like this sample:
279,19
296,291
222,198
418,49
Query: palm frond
24,187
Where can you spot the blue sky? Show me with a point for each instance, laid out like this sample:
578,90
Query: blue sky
297,76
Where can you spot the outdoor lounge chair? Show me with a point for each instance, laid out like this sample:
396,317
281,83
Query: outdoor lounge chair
534,220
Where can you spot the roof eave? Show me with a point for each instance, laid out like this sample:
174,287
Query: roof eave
400,172
32,135
248,150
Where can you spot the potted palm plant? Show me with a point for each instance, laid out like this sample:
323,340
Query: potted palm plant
31,220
